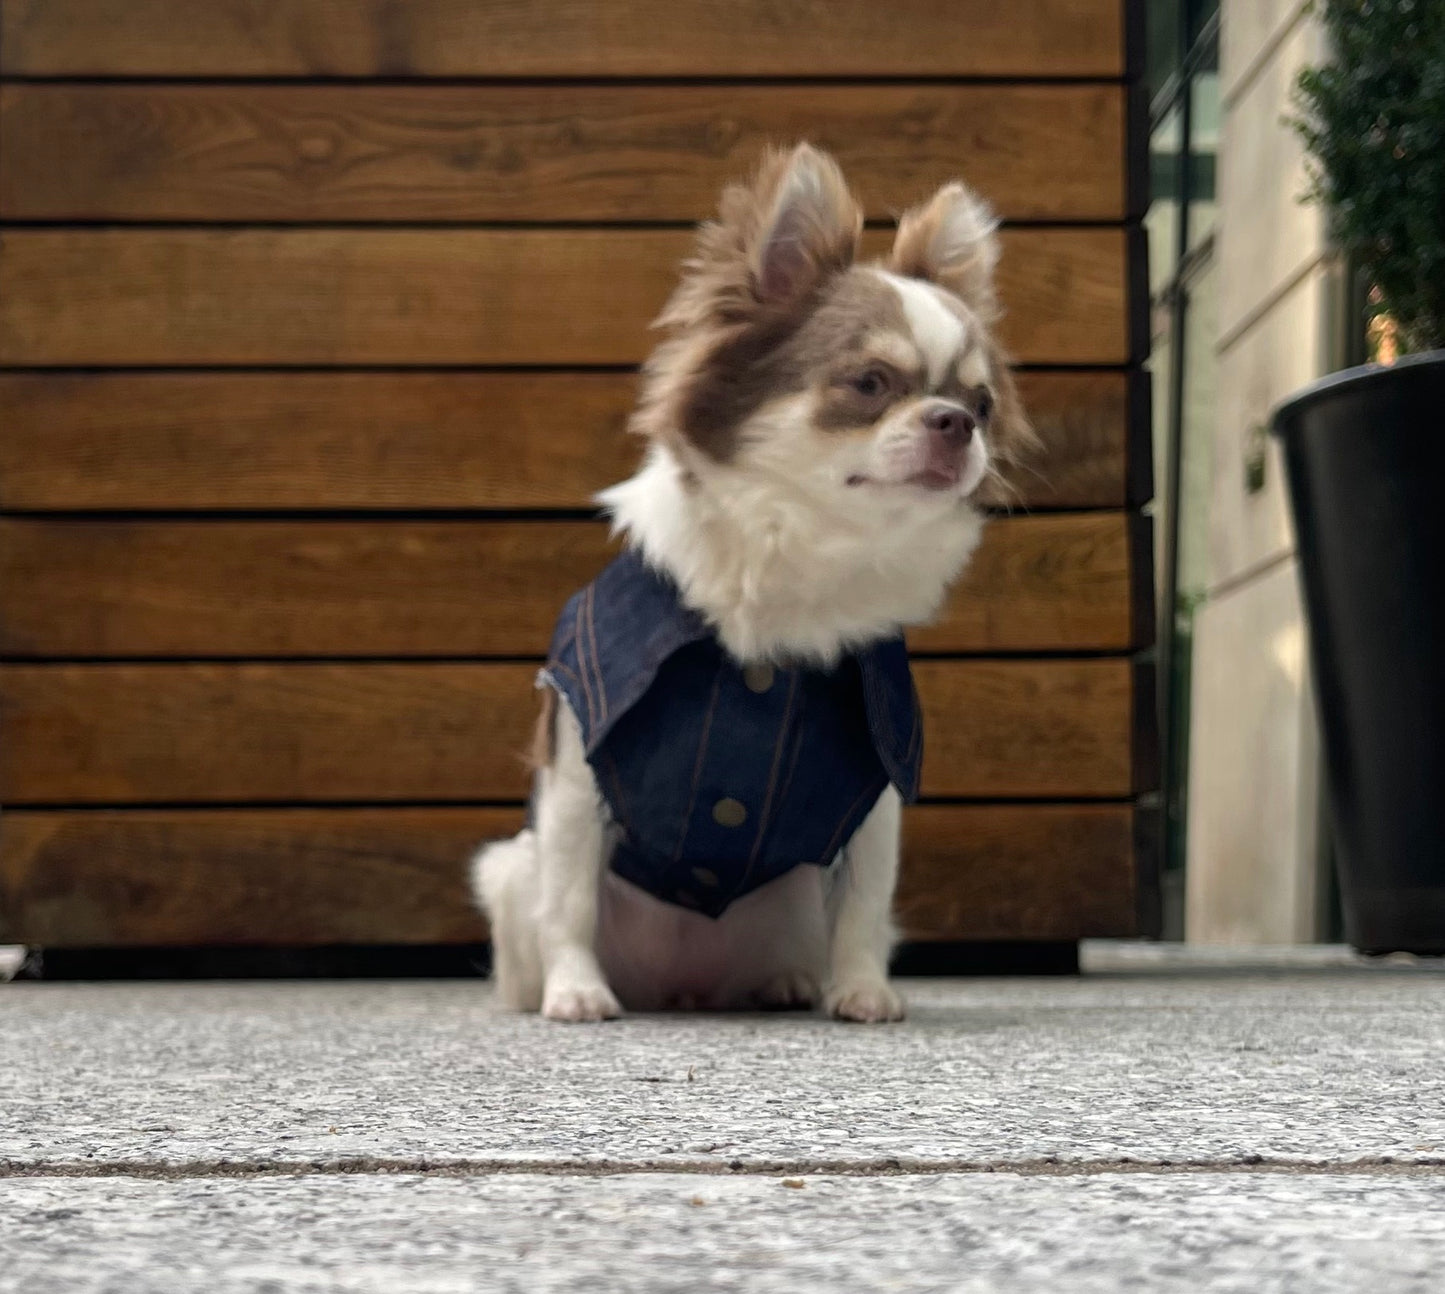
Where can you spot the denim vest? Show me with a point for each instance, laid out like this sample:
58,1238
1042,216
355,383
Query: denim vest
721,778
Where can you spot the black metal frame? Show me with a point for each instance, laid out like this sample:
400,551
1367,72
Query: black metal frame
469,961
1196,39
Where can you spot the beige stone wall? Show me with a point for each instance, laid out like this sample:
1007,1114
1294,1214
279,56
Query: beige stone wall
1252,844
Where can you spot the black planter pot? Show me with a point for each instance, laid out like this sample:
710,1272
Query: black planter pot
1365,452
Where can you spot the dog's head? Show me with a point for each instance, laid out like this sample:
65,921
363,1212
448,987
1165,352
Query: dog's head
870,390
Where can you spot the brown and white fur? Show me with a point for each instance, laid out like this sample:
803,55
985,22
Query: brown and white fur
818,431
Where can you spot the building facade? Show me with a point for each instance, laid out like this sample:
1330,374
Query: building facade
1249,305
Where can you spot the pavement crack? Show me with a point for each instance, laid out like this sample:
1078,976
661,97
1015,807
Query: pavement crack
367,1166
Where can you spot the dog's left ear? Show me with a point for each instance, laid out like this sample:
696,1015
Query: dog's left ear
952,240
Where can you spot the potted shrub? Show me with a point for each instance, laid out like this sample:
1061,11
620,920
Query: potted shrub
1365,456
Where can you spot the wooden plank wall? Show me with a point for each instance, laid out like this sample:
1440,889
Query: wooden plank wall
318,320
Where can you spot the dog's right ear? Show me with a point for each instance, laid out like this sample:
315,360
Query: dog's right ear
952,240
806,225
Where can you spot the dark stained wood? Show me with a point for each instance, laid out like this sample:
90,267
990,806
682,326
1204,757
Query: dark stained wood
998,871
296,733
1083,459
485,209
419,440
518,153
1142,576
1145,722
1139,449
1148,843
385,440
313,588
447,296
289,876
459,588
457,38
1053,729
1043,583
287,733
135,877
95,296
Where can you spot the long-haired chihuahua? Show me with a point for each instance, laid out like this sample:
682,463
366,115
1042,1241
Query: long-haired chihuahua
728,724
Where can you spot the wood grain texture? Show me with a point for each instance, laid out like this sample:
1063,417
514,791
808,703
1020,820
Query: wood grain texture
448,296
1045,583
411,440
289,876
500,38
456,588
419,440
285,733
519,153
295,733
587,118
116,878
1027,729
998,871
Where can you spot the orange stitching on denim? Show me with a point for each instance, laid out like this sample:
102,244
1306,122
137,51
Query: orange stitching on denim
915,714
800,729
697,768
557,666
596,655
773,775
581,677
621,813
835,844
560,648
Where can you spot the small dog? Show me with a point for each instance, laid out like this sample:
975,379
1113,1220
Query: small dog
731,698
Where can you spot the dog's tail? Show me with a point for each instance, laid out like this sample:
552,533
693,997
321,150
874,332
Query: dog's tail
504,884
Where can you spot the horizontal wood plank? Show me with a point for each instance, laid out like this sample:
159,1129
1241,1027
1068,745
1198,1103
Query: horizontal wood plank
1046,583
420,440
499,38
447,296
519,153
999,871
202,876
405,589
295,733
355,876
1046,729
405,440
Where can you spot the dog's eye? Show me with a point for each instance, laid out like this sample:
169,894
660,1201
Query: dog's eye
983,406
872,383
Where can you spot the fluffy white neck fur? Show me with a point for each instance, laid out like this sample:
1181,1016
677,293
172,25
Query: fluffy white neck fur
779,579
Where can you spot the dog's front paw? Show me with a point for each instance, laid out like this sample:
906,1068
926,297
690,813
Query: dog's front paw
576,1003
866,1001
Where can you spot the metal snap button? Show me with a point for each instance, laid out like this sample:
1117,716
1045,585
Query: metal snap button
704,877
759,678
728,812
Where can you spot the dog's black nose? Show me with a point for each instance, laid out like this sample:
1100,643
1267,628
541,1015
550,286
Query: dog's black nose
951,423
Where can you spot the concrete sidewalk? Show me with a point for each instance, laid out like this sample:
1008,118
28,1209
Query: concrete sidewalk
1156,1126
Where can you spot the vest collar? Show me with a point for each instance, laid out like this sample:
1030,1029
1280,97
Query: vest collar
633,602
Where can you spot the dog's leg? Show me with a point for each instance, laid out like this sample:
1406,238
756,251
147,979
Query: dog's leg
860,911
571,842
504,881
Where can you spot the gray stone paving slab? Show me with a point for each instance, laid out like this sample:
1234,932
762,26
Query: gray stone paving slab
1321,1066
1224,1232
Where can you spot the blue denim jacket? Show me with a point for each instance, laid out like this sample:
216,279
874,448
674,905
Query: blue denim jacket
722,778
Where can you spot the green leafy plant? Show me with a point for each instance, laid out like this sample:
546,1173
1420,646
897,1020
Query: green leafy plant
1373,120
